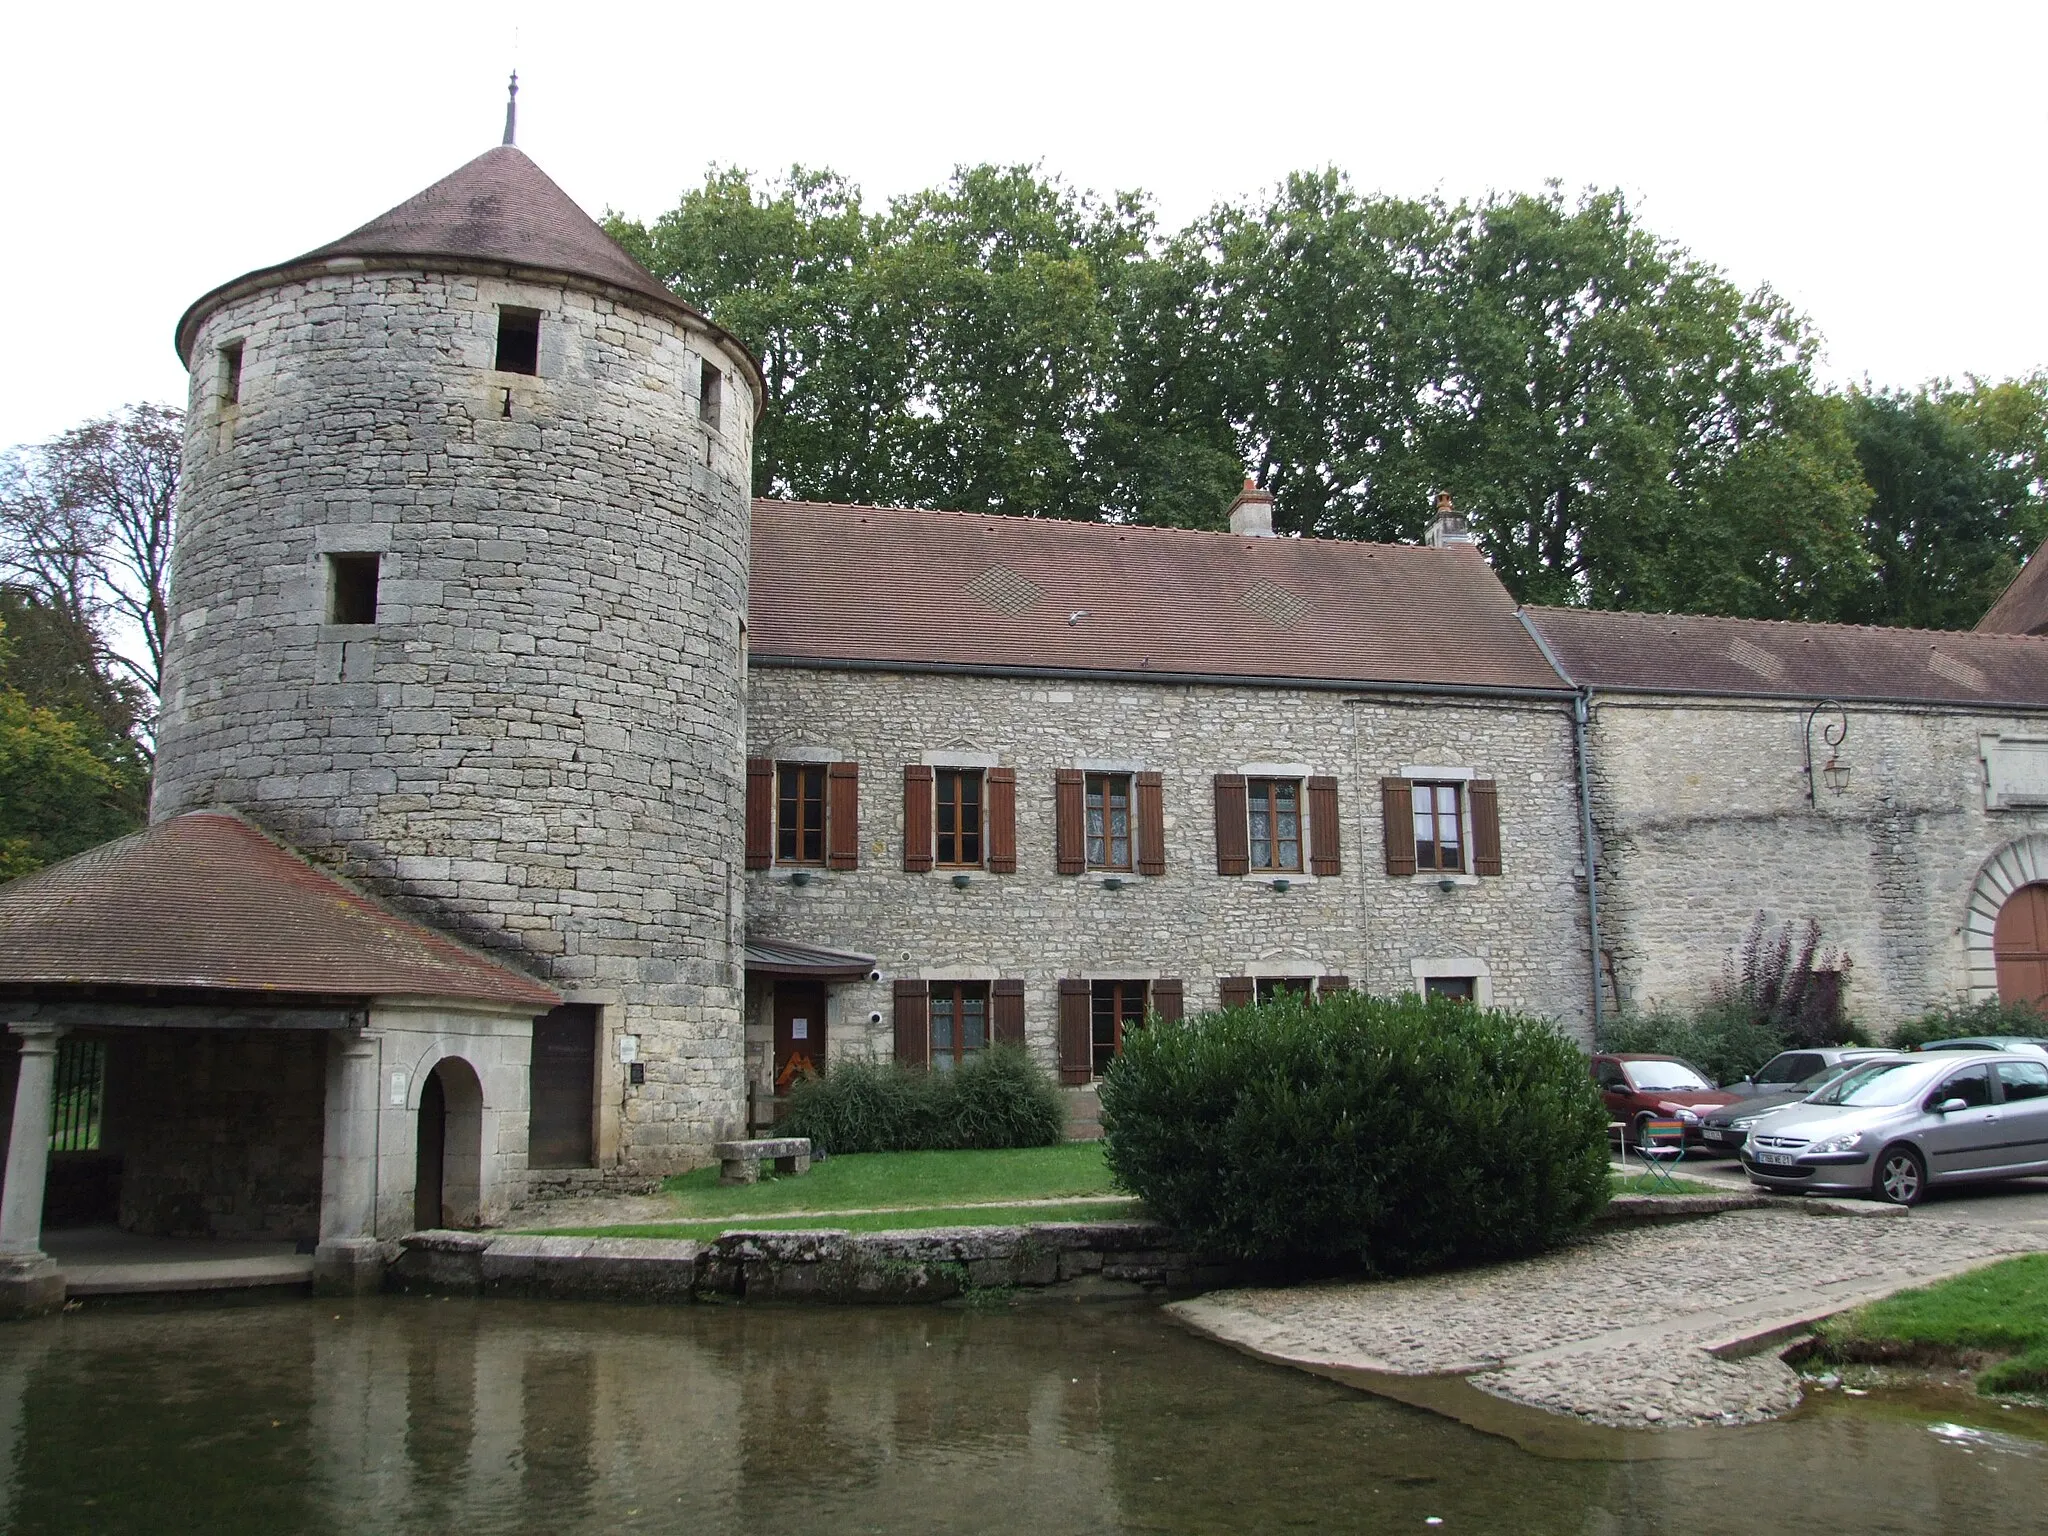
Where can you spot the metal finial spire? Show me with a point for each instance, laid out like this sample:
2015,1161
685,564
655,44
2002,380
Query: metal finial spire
512,108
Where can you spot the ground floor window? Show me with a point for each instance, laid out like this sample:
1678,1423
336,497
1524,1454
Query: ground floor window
1463,988
1113,1008
1268,988
959,1015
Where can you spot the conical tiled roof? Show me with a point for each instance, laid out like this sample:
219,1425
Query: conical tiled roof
206,901
500,207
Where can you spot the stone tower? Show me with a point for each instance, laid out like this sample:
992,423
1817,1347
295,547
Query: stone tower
459,600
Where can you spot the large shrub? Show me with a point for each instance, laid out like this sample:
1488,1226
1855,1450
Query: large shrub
1722,1040
1953,1020
1391,1134
998,1098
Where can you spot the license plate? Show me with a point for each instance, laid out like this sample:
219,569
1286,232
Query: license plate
1717,1135
1781,1159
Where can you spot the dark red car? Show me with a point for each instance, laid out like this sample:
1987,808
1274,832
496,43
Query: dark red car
1637,1088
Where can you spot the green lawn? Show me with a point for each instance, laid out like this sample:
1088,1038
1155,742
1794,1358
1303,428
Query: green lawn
2000,1310
1643,1184
870,1180
873,1221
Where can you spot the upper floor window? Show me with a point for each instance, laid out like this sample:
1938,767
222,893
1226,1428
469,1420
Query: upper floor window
1439,829
1274,808
957,812
352,588
800,813
518,339
231,373
710,395
1109,820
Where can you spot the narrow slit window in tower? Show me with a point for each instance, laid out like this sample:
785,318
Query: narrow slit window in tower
518,339
231,373
352,589
710,395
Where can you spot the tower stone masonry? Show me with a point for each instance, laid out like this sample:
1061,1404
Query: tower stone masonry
531,736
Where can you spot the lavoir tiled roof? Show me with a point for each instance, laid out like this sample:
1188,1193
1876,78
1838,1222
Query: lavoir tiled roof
882,586
1758,658
2022,608
206,901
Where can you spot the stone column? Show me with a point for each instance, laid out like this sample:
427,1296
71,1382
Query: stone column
348,1260
30,1284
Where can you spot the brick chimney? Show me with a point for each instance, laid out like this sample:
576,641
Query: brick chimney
1449,527
1252,513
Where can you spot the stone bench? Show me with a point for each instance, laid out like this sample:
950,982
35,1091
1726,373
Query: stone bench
739,1162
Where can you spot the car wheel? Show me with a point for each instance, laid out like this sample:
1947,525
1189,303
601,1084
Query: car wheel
1901,1177
1639,1132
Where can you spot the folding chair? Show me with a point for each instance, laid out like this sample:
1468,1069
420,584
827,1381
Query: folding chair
1661,1144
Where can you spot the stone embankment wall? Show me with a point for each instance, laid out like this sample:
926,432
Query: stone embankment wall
1522,934
1107,1259
537,744
1702,817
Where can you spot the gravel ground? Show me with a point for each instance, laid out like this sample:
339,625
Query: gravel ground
1612,1329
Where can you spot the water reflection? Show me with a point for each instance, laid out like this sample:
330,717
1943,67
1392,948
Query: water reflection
442,1416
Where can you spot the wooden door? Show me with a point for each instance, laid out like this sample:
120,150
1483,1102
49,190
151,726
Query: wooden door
2019,944
799,1031
564,1082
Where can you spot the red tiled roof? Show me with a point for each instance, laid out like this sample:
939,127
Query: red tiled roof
2022,608
499,207
879,585
207,901
1760,658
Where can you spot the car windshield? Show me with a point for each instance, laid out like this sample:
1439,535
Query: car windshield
1881,1082
1666,1077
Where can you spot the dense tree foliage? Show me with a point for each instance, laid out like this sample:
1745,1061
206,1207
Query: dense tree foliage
1625,426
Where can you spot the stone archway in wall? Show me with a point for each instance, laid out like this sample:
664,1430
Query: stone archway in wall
1997,925
449,1160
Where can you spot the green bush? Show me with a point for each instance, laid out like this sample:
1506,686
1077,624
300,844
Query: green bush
1950,1020
1722,1039
1391,1134
998,1098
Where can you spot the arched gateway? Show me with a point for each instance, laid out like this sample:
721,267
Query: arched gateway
2006,928
448,1166
2020,946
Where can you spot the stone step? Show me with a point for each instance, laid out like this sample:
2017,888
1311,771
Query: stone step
1084,1114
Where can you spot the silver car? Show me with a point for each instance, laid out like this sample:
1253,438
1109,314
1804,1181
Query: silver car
1893,1128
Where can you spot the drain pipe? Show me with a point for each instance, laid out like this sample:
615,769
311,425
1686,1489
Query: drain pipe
1582,710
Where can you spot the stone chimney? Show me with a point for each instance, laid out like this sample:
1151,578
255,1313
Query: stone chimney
1449,527
1252,513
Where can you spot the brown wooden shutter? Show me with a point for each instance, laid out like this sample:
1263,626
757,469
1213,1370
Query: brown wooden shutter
1077,1057
1233,835
1151,824
842,816
1397,809
1006,1012
917,818
1069,823
1331,984
1167,999
1002,822
913,1024
1237,991
1323,841
1484,800
760,812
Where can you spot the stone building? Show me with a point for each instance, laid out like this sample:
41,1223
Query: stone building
609,798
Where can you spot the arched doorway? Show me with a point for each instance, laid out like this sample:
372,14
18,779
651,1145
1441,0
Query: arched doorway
2019,946
448,1171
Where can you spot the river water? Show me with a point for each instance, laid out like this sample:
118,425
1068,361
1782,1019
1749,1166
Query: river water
457,1416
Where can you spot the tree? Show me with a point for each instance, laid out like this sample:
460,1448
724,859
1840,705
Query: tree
86,524
1957,505
1626,428
58,795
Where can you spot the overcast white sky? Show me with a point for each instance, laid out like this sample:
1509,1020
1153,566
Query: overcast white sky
1880,164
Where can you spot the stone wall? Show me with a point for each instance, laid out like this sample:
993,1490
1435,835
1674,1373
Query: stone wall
219,1131
537,745
1523,933
1703,819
